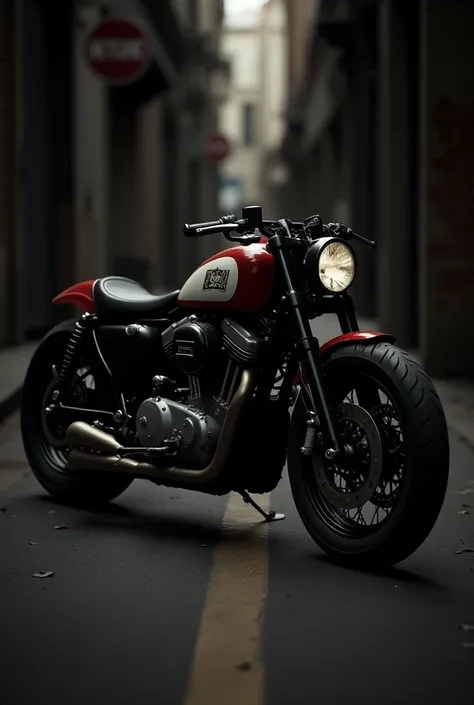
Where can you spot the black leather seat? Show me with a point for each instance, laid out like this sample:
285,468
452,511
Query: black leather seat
116,296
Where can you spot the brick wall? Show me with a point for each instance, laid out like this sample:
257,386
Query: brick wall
7,170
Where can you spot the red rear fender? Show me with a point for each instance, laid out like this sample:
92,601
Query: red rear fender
79,295
360,336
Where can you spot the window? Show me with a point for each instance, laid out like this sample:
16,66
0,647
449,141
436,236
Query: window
248,124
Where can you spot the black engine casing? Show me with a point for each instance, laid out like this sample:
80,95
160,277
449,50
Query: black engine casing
194,346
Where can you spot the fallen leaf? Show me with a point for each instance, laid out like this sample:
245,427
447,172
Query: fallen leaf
464,550
463,511
51,511
469,490
46,574
245,666
58,527
34,543
468,645
467,627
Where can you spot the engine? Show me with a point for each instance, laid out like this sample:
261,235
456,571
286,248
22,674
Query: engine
212,357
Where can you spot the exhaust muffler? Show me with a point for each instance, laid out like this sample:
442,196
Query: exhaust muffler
86,442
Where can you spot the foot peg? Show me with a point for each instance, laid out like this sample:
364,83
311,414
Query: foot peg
268,516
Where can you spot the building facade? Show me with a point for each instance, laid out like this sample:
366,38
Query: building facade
378,134
254,43
96,175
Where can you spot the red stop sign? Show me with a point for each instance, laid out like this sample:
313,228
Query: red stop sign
217,147
118,51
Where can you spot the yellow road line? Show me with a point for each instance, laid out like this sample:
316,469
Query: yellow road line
227,665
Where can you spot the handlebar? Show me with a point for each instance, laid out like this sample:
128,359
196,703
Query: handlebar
245,227
212,226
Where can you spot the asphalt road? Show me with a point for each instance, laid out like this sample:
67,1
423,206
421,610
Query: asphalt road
175,598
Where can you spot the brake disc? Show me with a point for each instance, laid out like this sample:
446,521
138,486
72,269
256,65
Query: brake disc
365,473
392,464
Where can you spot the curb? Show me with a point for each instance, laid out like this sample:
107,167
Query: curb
10,404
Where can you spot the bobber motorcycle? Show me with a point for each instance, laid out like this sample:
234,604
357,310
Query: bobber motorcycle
219,385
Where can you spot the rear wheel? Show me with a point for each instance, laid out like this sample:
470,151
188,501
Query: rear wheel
45,442
379,504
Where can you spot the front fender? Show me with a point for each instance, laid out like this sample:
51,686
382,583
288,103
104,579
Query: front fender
360,336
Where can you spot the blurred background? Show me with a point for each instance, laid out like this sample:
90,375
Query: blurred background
122,119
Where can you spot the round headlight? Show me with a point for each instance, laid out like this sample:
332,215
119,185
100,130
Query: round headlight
337,267
330,266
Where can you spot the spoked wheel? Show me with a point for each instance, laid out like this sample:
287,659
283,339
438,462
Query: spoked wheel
356,495
44,439
379,503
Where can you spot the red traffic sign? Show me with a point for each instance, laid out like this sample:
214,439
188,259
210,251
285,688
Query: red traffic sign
118,51
217,147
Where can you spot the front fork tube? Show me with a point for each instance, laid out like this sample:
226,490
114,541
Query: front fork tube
308,347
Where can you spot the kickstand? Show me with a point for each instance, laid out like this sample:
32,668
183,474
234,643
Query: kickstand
268,516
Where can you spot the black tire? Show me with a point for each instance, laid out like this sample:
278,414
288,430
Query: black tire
426,459
50,469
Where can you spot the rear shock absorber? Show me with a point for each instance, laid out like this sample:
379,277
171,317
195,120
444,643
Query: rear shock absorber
67,370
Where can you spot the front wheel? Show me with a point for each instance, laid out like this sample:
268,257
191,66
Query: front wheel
379,504
45,443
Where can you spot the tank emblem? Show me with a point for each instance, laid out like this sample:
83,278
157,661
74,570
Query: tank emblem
216,279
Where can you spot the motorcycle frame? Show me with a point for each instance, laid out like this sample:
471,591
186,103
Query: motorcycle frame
295,342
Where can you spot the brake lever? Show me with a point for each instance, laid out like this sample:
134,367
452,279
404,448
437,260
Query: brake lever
244,239
370,243
340,230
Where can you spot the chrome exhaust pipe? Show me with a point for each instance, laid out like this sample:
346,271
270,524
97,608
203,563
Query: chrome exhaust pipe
83,438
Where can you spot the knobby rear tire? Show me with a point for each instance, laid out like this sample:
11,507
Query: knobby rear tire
75,488
426,440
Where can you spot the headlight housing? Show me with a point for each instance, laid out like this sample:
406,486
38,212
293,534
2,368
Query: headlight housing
330,266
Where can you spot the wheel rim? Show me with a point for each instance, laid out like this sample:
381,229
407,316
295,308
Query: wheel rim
52,439
371,516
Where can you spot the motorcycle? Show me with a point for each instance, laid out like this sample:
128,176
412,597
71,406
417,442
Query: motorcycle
217,386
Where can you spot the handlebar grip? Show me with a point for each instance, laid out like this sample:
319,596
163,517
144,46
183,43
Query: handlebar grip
189,229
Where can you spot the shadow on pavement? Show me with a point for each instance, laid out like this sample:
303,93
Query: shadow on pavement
204,527
185,525
400,575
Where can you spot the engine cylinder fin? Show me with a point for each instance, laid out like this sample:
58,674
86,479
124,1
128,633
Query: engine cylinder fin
237,352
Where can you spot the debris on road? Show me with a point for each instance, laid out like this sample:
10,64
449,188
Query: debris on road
51,511
467,627
463,511
467,644
34,543
58,527
245,666
469,490
464,550
46,574
3,509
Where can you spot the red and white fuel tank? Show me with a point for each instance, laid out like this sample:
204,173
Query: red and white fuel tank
237,279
